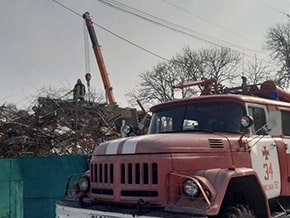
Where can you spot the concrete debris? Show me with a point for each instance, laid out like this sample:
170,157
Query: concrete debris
61,127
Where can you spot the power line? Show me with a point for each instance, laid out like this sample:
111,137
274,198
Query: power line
172,26
163,23
210,22
112,33
273,8
169,25
69,9
136,45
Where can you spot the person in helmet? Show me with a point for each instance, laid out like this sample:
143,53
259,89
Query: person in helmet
79,91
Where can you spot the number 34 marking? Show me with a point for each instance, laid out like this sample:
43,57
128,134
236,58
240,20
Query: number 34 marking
268,171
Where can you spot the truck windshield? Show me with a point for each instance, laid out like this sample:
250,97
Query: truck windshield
210,116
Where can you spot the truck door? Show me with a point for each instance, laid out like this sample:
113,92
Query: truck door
283,122
263,151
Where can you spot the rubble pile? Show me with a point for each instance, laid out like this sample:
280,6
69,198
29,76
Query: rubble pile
60,127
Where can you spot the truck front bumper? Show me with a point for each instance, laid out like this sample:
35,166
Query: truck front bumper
75,212
65,209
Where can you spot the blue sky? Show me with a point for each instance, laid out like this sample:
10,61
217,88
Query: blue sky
42,43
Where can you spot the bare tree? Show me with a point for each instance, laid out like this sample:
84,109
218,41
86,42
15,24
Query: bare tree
218,63
95,96
256,72
156,86
92,95
187,65
278,42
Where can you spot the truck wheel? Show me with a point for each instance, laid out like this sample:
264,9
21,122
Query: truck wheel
238,211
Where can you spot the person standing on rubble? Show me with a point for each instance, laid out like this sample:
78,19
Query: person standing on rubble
79,91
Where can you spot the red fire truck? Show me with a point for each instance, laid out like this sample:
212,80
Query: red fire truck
225,153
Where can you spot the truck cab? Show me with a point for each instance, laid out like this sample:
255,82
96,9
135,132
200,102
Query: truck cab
216,155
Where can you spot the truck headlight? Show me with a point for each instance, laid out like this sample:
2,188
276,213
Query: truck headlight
190,188
84,183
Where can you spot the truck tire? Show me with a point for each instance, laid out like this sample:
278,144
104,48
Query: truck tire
238,211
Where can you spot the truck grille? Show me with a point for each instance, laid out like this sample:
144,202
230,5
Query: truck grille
102,173
106,176
130,173
139,173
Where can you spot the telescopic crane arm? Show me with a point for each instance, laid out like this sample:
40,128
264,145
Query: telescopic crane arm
99,58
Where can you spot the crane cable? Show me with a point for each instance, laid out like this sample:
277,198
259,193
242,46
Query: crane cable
86,47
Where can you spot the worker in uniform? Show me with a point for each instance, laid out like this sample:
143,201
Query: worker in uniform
79,91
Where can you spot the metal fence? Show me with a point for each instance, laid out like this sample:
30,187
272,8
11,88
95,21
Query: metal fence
30,186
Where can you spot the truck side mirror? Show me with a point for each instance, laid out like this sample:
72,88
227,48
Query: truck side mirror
247,121
126,129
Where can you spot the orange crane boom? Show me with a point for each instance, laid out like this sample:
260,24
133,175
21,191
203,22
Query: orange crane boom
99,58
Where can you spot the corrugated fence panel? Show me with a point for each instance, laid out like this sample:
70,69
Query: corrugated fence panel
45,180
11,189
36,184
